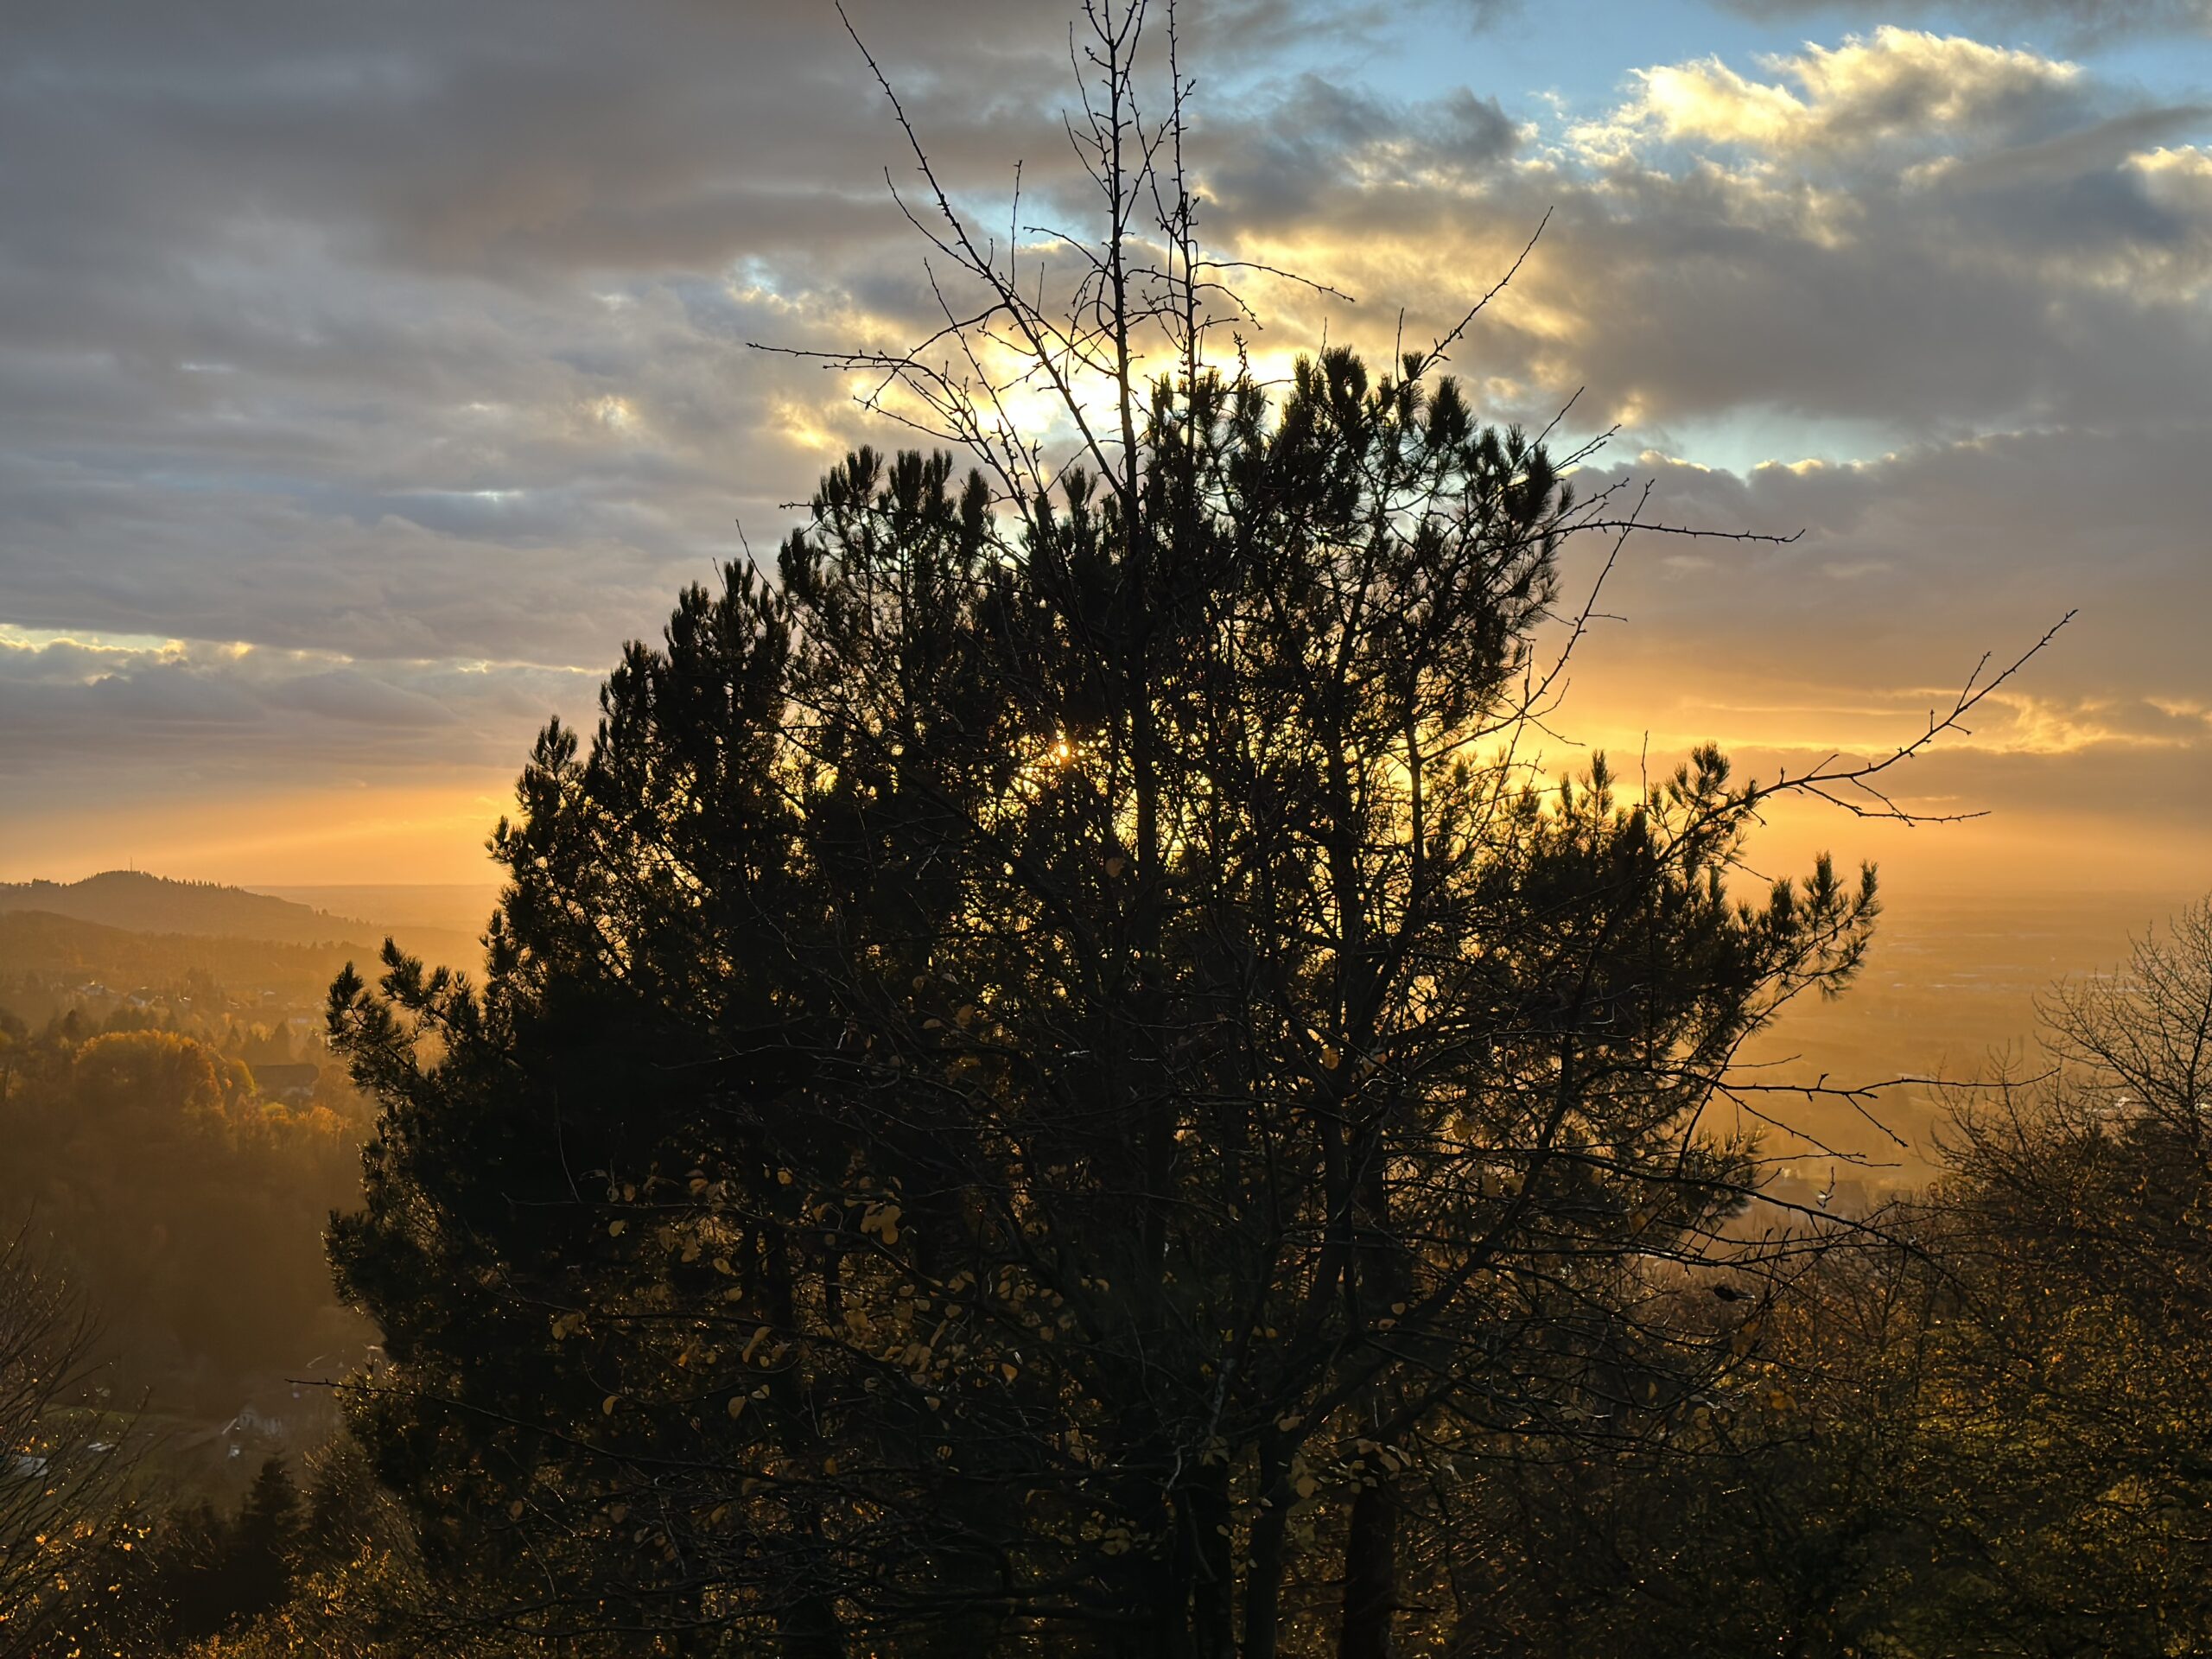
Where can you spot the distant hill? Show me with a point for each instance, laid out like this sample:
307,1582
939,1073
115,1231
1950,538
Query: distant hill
206,909
150,903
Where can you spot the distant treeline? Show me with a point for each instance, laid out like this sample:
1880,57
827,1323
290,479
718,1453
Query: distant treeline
55,952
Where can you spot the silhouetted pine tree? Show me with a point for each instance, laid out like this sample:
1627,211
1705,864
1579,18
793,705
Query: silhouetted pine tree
1055,1067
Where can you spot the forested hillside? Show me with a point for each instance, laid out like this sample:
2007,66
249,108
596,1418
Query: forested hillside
44,957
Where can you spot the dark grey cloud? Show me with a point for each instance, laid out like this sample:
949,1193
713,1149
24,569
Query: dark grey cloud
2079,22
2098,150
1318,140
1904,566
1905,570
255,720
1481,14
406,344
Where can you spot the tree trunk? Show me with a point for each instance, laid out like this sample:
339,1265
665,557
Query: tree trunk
1263,1578
809,1630
1371,1576
1213,1581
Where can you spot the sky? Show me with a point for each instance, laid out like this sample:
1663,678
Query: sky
369,373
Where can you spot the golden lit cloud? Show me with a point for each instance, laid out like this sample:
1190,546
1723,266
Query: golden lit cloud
1896,83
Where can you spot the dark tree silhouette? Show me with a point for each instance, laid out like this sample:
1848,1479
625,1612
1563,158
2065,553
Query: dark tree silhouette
1056,1068
2075,1222
1983,1433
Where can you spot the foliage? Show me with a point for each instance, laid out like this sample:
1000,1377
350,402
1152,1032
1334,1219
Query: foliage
2077,1225
189,1208
1979,1432
60,1473
324,1572
1043,1142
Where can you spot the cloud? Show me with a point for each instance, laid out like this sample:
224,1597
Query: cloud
231,715
1481,14
367,377
1905,570
1895,86
1317,138
2080,22
1915,233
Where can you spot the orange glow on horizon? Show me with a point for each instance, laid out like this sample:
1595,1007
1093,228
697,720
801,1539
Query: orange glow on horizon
428,834
436,833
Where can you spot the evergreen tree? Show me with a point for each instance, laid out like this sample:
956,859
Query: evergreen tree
1014,1087
188,1592
1055,1068
258,1564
